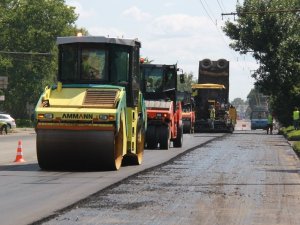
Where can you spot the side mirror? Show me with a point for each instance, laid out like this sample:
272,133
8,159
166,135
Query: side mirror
181,78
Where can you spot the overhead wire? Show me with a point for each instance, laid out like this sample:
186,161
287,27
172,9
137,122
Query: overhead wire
206,11
221,34
221,8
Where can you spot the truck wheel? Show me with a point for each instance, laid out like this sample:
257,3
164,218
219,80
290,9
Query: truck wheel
179,139
120,141
187,127
136,159
164,137
151,137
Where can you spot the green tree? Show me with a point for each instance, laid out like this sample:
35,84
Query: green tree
188,81
273,37
27,28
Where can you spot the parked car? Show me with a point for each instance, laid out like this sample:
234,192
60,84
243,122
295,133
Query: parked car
9,120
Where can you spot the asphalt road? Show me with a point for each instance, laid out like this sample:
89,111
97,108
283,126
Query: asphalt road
28,194
247,178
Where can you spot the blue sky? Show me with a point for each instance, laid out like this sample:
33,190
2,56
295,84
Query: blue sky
171,31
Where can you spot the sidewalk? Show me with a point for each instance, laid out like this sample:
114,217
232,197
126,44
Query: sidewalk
23,130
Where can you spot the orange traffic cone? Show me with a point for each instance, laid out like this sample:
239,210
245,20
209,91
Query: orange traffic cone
19,157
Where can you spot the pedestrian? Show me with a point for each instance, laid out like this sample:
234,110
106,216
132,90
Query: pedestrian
296,118
232,114
270,124
212,116
3,128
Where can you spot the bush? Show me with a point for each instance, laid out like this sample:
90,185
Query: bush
293,135
285,130
290,133
24,123
296,147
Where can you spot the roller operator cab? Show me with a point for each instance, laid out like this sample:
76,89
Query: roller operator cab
95,115
164,112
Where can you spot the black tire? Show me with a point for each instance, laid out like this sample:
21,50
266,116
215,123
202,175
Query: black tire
177,143
151,137
164,137
136,159
187,127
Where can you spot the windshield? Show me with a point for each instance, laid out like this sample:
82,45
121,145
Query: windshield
259,115
94,64
158,79
153,79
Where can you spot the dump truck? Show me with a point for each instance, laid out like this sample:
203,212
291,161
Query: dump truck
95,115
164,112
213,112
188,113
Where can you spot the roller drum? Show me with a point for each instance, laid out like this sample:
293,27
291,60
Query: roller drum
60,149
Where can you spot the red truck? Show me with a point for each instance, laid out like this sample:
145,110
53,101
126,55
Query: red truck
164,111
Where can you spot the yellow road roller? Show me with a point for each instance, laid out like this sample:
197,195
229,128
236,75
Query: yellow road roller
95,116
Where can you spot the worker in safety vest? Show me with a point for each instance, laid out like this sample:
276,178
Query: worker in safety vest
296,118
232,114
212,116
270,124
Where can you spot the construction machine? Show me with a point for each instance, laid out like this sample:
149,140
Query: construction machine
211,95
95,115
164,112
188,113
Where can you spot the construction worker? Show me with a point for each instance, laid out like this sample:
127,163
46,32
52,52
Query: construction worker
296,118
232,114
212,116
3,128
270,124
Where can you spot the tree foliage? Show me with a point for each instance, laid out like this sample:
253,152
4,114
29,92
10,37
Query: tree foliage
273,37
27,28
187,84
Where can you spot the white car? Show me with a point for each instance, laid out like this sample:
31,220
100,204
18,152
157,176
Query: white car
9,120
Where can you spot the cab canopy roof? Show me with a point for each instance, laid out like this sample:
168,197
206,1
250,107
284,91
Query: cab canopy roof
208,86
97,39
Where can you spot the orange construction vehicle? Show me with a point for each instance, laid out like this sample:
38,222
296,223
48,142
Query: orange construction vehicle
188,111
164,112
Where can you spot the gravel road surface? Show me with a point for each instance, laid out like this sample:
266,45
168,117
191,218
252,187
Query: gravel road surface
241,179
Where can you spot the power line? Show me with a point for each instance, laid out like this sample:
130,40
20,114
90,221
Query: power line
27,53
222,9
207,12
261,12
223,39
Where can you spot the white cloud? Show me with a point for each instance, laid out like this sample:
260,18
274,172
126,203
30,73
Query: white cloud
84,14
179,25
136,13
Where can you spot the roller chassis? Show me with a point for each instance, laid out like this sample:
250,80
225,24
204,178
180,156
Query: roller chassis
91,124
164,129
164,112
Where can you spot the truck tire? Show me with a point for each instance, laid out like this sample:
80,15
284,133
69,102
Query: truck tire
187,127
206,63
137,158
222,63
177,143
164,137
151,137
